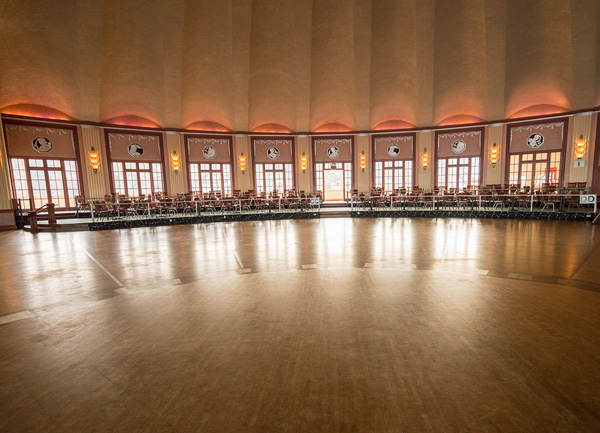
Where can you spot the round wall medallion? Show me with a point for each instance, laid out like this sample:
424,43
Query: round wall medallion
393,150
209,152
273,153
135,149
535,140
42,144
333,152
459,146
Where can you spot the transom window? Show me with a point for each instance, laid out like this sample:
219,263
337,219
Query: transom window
274,177
535,170
458,173
391,175
208,178
137,178
347,174
46,181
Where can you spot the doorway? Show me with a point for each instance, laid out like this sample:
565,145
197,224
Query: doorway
334,180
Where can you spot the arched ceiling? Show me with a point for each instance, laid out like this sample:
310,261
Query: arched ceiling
298,65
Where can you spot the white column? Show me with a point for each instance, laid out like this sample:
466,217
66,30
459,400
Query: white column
177,182
363,178
493,175
582,127
96,182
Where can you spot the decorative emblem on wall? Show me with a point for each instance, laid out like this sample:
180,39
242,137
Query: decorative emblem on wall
273,153
535,140
42,144
459,146
393,150
209,152
333,152
135,149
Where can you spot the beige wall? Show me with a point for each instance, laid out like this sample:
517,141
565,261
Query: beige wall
363,178
177,181
493,175
581,126
96,182
243,181
5,181
425,141
304,179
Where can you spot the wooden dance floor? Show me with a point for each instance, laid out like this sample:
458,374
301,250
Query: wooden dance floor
334,325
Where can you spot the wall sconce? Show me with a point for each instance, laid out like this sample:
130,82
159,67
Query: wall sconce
580,148
425,159
94,159
363,160
175,162
494,153
242,160
303,162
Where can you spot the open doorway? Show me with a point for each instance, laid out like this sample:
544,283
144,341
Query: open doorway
334,180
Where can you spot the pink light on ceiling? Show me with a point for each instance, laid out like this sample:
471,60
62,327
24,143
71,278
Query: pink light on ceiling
34,110
538,110
332,127
273,128
132,120
207,125
460,119
393,124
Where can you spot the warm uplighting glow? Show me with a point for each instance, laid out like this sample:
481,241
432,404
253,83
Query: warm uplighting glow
580,148
460,119
425,159
303,162
94,159
37,111
132,120
494,154
363,161
392,125
242,160
332,127
272,128
207,125
175,162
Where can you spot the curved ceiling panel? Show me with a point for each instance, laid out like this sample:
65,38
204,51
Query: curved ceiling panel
299,65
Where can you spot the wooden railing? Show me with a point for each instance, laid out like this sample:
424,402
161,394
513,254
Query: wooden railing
33,216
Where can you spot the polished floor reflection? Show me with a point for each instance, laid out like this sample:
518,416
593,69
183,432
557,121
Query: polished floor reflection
349,325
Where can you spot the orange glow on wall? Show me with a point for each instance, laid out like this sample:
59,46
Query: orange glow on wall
208,125
494,154
132,120
243,162
460,119
538,110
332,127
425,159
363,161
272,128
33,110
580,148
303,162
175,162
393,124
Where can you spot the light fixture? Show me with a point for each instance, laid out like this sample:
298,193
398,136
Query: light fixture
175,162
494,153
580,148
363,160
242,160
303,162
94,159
425,159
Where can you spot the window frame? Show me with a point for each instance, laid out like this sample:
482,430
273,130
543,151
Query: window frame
110,160
199,162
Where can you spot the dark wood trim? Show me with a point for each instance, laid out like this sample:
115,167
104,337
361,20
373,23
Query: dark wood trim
352,159
565,122
436,151
414,150
109,159
272,137
188,161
